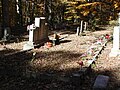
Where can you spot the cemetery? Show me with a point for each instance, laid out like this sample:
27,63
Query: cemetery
60,63
43,50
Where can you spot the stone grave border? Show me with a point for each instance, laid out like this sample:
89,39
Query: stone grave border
80,75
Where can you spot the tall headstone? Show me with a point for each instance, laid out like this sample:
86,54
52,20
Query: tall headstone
116,40
40,34
37,33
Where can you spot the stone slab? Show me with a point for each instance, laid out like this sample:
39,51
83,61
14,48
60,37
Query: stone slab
29,45
101,82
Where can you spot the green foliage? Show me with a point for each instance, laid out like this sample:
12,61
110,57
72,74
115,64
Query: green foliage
92,12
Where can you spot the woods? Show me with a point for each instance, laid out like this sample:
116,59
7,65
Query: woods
58,12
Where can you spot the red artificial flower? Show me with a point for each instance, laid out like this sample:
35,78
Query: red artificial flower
107,36
80,63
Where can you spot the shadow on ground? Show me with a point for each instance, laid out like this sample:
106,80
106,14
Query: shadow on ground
17,72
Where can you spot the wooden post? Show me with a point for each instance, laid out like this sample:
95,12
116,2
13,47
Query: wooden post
6,18
5,13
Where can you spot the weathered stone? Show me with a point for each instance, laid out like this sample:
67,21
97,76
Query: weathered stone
101,82
116,42
78,31
37,33
29,45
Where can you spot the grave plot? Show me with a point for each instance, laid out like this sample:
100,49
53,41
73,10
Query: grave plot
89,58
93,51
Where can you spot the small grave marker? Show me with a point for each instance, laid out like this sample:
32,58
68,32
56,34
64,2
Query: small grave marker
6,33
101,82
78,31
85,26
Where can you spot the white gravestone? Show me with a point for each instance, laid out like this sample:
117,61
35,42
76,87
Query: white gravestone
31,32
78,31
30,43
116,40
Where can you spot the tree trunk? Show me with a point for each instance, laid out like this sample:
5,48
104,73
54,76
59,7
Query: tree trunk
5,16
5,13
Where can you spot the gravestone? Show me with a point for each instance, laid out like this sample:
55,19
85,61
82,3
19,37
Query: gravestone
30,44
80,28
37,33
85,26
7,32
41,33
101,82
116,41
78,31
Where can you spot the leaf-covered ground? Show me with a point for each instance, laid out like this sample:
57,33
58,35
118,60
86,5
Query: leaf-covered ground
22,72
